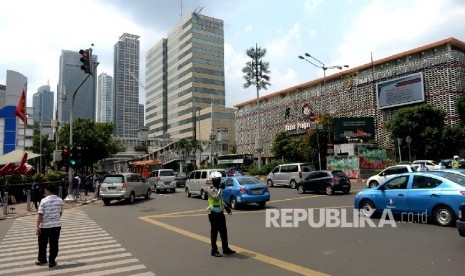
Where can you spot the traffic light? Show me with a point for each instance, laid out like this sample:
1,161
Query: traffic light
65,156
73,157
86,59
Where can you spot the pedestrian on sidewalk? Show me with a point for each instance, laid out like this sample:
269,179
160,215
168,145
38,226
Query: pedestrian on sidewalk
96,186
49,226
36,193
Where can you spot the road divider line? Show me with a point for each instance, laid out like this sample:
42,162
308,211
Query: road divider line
249,253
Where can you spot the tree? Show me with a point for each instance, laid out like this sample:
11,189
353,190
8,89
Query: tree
286,147
461,108
256,73
186,147
95,139
424,124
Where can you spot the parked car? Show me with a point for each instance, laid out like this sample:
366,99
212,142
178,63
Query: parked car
198,182
123,186
389,173
430,164
162,180
180,178
436,194
327,181
288,174
242,190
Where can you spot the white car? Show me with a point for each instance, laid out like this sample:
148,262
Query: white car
388,173
430,164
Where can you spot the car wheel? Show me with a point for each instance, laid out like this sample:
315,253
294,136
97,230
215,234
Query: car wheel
106,201
293,184
367,208
232,202
372,184
301,189
346,191
173,190
203,195
188,194
262,204
444,216
329,190
148,194
269,182
132,198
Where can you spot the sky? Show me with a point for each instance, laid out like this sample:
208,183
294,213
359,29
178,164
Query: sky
336,32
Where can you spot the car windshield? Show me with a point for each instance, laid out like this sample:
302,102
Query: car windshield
166,173
113,179
247,180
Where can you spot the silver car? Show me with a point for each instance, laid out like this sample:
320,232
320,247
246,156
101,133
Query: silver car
123,186
288,174
163,180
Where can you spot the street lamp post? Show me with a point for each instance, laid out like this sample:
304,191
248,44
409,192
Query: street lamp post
324,67
408,139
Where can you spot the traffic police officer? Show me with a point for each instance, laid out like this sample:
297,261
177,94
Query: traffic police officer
216,216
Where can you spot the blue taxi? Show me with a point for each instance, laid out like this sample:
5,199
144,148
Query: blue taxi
242,190
437,194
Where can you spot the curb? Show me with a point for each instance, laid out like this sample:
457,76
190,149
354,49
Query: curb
66,206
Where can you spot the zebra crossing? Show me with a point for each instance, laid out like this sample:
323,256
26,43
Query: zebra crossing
80,253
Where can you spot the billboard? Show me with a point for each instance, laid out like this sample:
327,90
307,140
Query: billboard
354,127
401,91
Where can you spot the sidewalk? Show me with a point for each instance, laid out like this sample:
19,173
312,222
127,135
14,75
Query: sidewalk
21,208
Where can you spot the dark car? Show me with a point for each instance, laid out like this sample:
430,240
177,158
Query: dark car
327,181
461,221
180,178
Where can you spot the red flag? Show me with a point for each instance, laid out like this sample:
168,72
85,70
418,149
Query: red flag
21,108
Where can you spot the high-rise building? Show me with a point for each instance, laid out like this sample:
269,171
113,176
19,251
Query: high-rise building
70,77
141,115
126,86
105,98
184,74
43,104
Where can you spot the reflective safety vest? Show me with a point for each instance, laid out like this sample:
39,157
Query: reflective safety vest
215,206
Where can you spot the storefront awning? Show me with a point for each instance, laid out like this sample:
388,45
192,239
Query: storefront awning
16,156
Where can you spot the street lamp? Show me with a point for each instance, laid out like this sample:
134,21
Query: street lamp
408,139
324,67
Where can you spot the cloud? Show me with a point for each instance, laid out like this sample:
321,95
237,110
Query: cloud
386,28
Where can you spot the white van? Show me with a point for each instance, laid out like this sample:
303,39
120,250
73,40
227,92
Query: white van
198,182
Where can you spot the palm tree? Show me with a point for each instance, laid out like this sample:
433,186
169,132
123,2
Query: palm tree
256,72
185,147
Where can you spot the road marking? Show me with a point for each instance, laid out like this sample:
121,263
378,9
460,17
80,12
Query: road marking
85,249
249,253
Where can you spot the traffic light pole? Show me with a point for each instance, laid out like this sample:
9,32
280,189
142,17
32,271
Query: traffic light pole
70,197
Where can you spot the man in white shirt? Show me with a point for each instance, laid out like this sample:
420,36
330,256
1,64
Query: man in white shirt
49,226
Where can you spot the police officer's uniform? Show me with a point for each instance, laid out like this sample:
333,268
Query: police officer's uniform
216,217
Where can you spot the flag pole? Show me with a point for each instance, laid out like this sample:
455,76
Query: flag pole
25,117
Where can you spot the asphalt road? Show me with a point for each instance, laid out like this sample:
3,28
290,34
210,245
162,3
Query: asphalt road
169,234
